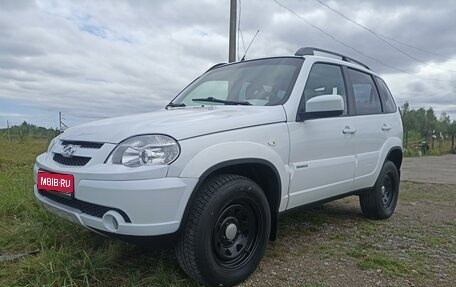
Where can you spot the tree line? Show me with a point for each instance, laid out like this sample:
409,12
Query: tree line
26,131
424,131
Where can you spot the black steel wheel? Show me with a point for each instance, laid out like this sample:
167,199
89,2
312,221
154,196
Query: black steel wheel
381,201
226,233
387,190
235,234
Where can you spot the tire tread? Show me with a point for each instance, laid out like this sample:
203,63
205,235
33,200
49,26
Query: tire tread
185,251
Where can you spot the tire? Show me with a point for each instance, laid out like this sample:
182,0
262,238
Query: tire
226,232
381,201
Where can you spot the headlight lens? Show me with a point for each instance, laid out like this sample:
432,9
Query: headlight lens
145,150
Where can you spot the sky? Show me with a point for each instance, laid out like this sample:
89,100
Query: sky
97,59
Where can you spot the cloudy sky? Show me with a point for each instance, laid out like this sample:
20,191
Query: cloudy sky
98,59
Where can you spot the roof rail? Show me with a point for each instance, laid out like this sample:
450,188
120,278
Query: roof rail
310,51
215,67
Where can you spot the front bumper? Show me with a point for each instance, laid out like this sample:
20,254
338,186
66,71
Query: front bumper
152,206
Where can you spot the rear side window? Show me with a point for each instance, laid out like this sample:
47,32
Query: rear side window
367,100
325,79
390,106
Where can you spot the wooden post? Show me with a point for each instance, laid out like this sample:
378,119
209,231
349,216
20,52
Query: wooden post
8,130
453,148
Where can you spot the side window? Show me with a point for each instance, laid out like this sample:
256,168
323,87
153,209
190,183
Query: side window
325,79
367,100
390,106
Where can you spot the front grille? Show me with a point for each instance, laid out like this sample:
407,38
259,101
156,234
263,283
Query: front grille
73,161
85,207
83,144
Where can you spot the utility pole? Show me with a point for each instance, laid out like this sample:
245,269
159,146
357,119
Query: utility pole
60,121
62,125
7,130
233,21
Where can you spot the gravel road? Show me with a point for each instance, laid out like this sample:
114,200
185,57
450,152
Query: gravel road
431,169
336,246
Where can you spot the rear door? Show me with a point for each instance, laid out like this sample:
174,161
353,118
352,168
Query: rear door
370,125
322,150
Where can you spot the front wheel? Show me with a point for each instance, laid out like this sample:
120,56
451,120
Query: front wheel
381,201
226,233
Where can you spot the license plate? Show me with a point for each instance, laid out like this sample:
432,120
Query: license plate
56,182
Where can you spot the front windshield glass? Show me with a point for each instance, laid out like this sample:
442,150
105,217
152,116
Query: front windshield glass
265,82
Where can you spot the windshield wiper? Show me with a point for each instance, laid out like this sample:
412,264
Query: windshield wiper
173,105
226,102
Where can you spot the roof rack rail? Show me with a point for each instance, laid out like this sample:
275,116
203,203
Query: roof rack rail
310,51
215,67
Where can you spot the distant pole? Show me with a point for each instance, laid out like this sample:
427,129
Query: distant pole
232,43
60,121
8,130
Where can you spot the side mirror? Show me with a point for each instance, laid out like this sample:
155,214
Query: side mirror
323,107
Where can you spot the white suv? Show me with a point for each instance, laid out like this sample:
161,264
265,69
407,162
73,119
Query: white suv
241,144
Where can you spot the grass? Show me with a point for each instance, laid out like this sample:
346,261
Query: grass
69,255
72,256
379,261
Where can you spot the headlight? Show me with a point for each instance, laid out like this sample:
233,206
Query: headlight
52,143
145,150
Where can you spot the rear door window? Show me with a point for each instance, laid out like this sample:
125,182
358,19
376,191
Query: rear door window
387,98
367,100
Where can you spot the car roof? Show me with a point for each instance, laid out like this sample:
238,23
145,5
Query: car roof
309,53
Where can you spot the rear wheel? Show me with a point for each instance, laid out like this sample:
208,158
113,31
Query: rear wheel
226,233
381,201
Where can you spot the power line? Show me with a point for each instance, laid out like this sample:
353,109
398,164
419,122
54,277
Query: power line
377,35
239,30
336,39
351,47
416,48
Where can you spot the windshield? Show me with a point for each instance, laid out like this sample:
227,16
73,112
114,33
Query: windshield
265,82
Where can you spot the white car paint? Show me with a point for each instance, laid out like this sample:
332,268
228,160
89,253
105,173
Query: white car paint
314,158
180,123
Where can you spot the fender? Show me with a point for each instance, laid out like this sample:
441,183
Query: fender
216,154
390,144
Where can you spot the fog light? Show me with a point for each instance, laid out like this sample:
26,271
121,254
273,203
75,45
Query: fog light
111,220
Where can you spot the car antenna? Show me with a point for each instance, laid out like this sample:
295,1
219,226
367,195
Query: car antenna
248,47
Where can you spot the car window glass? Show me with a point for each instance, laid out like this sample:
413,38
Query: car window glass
325,79
367,100
208,89
259,82
390,106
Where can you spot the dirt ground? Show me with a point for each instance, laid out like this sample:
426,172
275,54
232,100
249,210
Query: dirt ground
336,246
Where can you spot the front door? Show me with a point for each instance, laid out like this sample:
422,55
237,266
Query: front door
322,150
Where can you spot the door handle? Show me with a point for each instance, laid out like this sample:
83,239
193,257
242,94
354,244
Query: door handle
348,130
386,127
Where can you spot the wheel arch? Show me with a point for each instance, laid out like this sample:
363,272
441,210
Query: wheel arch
395,155
260,171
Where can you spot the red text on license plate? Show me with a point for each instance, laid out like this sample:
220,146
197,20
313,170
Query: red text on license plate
55,182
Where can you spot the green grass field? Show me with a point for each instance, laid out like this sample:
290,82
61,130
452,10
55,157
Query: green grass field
68,255
394,252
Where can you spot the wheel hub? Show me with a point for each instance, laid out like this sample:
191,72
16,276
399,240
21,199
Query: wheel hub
235,234
387,191
231,231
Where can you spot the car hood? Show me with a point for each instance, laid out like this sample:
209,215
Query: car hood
179,123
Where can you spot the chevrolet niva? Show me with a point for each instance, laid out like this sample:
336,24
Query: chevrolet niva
237,147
